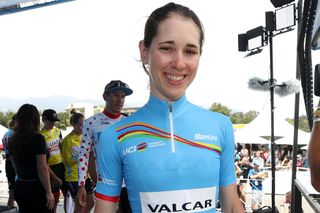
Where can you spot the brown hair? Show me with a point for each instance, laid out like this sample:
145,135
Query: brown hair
75,116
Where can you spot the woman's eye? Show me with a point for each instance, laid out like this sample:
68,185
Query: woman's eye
191,52
168,49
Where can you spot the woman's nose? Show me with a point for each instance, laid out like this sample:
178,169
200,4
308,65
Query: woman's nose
178,61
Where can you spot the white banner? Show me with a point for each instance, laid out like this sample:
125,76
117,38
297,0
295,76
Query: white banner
8,3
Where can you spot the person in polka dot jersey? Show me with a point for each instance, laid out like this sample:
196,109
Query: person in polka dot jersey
114,95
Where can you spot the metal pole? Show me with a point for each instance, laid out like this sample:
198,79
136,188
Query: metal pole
273,164
296,122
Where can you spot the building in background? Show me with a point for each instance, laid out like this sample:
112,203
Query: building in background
85,108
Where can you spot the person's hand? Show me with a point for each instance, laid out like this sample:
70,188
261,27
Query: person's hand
50,200
82,196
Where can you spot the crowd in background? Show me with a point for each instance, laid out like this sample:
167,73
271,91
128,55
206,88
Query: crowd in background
283,155
252,163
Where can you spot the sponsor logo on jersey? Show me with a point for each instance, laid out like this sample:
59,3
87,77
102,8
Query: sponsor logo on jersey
107,181
140,147
199,136
53,147
143,146
193,200
105,123
184,207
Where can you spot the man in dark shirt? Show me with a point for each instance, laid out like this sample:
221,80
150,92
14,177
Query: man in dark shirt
245,168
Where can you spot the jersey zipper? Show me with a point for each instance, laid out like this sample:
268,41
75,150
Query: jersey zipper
173,147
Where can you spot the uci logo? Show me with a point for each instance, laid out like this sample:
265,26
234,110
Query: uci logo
141,147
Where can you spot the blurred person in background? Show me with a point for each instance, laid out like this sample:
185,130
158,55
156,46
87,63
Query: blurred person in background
70,151
10,173
27,150
53,138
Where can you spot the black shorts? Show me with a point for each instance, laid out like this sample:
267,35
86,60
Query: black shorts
124,204
10,173
59,171
73,187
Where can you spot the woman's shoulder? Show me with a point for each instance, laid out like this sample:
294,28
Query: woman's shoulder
205,112
38,137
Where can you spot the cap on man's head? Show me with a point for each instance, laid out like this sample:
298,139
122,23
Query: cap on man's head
50,115
117,85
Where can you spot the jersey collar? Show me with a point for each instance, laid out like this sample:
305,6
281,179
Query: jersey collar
161,107
110,115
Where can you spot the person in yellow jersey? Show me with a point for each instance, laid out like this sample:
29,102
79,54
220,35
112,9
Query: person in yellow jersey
53,138
70,151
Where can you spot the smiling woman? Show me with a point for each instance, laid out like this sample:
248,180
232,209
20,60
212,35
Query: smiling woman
165,151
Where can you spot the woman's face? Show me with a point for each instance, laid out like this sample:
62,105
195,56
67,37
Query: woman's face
77,127
173,57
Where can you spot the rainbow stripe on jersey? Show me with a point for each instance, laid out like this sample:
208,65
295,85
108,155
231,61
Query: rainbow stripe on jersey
139,129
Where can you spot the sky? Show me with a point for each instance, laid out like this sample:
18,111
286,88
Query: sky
76,48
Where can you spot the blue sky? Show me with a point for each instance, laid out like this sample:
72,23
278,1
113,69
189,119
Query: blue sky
76,48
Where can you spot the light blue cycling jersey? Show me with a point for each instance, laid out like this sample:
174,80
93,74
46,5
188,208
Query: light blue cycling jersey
173,157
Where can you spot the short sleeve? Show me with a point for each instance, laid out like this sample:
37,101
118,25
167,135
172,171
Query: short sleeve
39,144
109,181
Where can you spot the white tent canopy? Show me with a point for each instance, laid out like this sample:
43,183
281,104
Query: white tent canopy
303,139
260,127
244,138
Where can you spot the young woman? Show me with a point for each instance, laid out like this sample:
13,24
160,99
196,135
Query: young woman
174,156
27,148
70,152
53,138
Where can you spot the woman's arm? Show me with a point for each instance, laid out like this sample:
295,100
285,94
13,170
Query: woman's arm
314,150
43,174
105,207
54,177
314,157
230,201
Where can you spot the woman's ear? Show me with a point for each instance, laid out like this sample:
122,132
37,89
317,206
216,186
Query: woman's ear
143,52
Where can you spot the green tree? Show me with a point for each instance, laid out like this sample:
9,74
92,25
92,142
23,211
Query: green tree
5,118
237,117
303,123
217,107
249,116
64,122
